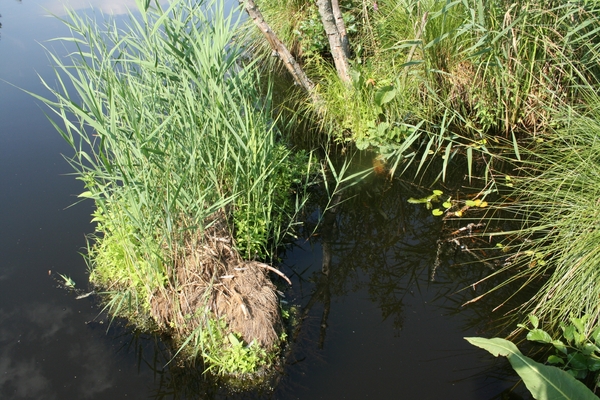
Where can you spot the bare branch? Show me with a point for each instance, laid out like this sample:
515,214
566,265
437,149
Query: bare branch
279,48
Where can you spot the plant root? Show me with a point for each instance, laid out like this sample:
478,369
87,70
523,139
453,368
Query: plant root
210,280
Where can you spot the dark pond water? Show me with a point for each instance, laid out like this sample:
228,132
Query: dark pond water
377,327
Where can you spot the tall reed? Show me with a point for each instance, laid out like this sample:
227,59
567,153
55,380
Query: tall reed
172,138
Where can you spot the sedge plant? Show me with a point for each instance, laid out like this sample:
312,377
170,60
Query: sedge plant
553,207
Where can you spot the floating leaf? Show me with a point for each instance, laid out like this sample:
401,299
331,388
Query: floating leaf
447,204
459,213
470,203
483,204
437,212
438,192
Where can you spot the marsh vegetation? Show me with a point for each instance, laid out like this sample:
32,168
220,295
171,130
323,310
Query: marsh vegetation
187,152
191,178
508,88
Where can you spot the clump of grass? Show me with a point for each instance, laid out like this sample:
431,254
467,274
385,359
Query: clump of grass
180,151
555,207
441,78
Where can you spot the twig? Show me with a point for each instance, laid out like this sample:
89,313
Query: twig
278,272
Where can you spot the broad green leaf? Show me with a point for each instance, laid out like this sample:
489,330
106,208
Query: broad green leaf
555,360
568,332
596,336
233,340
579,324
589,348
437,212
385,95
438,192
362,143
447,204
579,338
560,346
539,335
470,203
577,361
593,364
545,382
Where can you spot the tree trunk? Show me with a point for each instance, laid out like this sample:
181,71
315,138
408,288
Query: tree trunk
334,35
279,48
341,27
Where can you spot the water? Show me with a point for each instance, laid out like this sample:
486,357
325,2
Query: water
377,326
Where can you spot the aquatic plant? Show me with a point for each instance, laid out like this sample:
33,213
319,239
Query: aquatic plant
548,234
191,179
441,79
576,351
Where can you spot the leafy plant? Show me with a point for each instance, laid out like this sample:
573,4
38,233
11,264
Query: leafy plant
544,382
553,207
444,79
577,352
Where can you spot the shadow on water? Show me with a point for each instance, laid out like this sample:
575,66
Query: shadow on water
382,292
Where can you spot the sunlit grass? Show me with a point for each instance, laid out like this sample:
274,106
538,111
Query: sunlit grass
464,72
555,204
171,135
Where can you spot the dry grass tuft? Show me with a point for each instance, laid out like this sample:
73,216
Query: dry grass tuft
210,280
